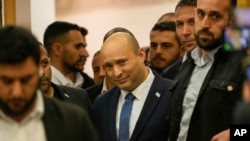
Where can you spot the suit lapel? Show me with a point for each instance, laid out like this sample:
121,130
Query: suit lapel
63,93
151,102
113,106
51,123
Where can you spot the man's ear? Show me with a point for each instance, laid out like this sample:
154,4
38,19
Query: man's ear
142,54
57,49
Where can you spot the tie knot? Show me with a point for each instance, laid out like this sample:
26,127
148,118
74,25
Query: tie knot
129,96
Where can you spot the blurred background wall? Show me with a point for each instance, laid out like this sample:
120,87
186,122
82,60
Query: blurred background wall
98,16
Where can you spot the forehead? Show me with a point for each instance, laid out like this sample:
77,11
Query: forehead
185,12
20,69
213,5
115,51
43,52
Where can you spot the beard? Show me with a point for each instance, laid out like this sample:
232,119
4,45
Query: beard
16,112
73,67
209,44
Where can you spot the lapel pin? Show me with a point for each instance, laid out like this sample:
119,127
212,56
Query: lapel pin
230,88
157,94
66,95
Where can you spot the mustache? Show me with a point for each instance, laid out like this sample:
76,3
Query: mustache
158,57
205,31
44,78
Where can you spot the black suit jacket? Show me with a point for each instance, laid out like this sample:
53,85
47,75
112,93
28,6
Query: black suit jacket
152,124
94,91
219,92
88,81
66,122
242,113
77,96
172,70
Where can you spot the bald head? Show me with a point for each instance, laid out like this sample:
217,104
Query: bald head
122,39
124,61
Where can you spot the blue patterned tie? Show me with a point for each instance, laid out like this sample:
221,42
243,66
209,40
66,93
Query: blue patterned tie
125,117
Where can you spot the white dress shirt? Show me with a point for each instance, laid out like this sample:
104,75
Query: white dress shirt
140,93
104,86
31,128
59,79
203,65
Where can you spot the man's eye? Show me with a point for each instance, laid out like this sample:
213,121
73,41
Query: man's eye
44,62
200,14
6,81
179,25
108,66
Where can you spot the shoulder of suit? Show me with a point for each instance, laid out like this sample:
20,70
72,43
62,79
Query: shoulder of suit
71,88
60,106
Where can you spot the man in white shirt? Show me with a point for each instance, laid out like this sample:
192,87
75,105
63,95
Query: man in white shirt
209,82
67,50
25,114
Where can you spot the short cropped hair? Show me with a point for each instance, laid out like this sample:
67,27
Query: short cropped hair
182,3
55,30
83,31
166,26
17,44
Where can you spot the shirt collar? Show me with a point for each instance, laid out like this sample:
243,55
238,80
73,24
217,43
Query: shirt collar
143,88
200,60
104,85
59,76
65,80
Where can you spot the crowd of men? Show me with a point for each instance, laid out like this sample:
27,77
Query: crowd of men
187,90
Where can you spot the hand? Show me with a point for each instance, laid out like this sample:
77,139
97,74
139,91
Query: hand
246,91
222,136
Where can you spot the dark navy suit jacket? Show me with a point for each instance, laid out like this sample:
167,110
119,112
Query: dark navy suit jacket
152,124
172,70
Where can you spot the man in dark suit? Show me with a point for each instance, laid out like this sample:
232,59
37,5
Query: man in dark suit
165,47
124,64
172,70
103,83
209,82
66,48
22,104
100,88
76,96
184,14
